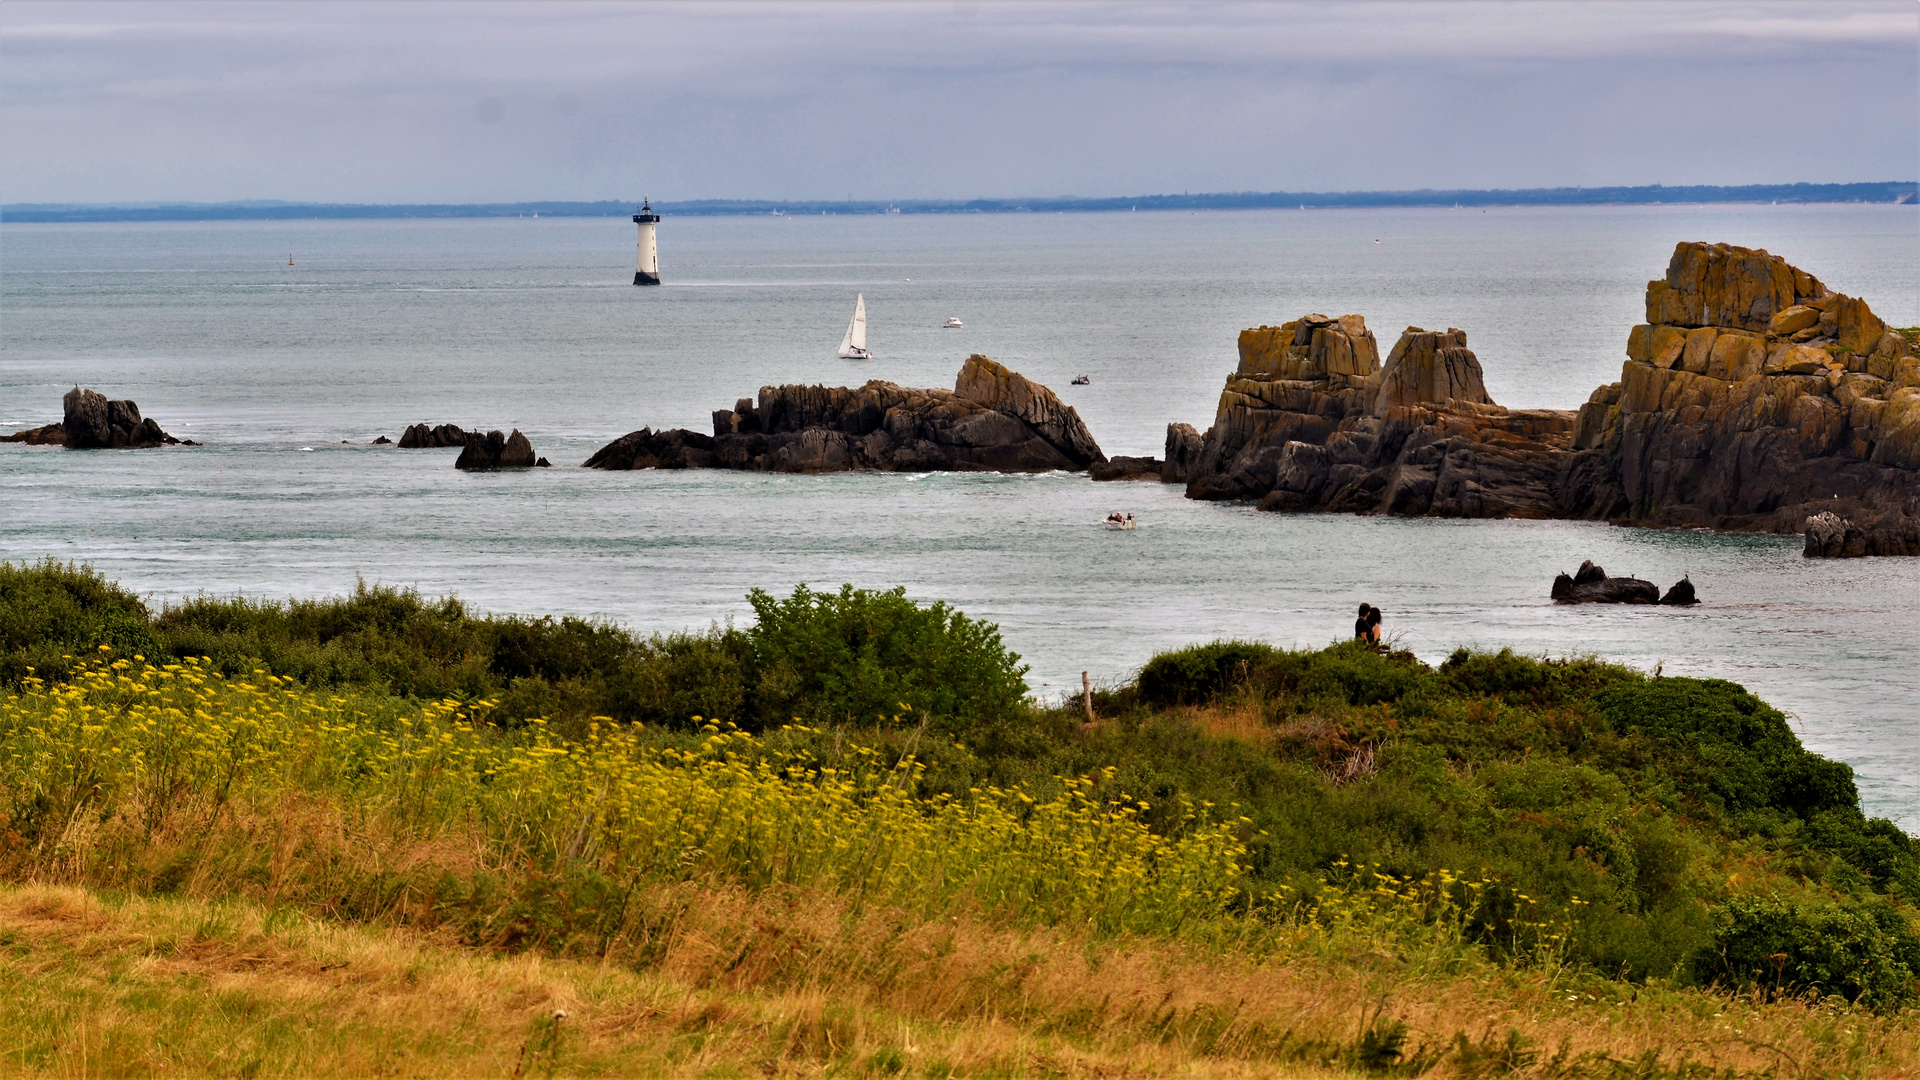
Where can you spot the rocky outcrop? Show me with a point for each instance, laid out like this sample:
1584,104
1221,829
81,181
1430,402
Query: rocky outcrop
426,437
1313,420
496,451
50,435
1127,468
1591,585
1830,536
94,422
1184,445
650,449
1681,595
1753,398
993,420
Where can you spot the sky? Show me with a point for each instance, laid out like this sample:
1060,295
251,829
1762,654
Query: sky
501,102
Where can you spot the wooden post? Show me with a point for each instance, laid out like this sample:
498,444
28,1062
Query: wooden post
1086,694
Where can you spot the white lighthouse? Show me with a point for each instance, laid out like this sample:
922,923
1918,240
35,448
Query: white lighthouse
646,267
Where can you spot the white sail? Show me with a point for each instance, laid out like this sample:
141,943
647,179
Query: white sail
854,345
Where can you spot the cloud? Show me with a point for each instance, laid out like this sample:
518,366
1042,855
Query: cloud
458,102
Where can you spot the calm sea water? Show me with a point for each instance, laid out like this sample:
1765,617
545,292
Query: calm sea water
530,324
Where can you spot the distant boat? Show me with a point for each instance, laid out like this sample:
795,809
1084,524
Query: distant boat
854,345
289,258
1081,380
1118,520
952,324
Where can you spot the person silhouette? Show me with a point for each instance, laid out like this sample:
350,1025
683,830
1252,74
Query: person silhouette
1360,625
1373,627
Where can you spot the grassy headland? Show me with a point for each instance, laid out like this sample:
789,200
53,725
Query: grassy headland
380,833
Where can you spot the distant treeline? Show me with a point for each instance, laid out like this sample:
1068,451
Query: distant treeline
1901,191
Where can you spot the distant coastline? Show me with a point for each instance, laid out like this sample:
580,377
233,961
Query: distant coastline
1896,191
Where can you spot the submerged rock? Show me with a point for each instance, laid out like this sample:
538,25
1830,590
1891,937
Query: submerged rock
496,451
993,420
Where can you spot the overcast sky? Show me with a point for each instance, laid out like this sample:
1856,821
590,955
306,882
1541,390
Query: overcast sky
448,102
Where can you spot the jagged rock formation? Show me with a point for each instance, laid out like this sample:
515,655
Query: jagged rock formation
993,420
1754,397
1313,420
93,422
426,437
496,451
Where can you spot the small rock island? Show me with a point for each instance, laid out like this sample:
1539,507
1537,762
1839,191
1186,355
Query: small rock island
93,422
993,420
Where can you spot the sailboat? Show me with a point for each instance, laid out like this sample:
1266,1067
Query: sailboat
854,345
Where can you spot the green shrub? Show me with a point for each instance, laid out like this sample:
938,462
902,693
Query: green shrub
1864,952
1729,747
1199,673
51,611
859,655
1347,673
1524,680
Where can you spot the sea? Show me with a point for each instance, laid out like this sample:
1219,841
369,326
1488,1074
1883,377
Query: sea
287,346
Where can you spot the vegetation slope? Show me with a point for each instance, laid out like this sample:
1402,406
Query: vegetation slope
842,839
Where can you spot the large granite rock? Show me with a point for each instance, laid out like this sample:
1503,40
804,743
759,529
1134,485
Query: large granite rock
1184,445
94,422
1312,420
993,420
1753,398
496,451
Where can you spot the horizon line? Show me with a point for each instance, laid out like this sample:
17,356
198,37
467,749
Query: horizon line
1883,192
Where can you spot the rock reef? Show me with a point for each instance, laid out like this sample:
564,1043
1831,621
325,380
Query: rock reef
428,437
993,420
1753,398
1591,585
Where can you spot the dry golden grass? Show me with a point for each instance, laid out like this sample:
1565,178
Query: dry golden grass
793,983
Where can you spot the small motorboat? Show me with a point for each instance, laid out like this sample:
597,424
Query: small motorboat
1118,520
952,324
1081,380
